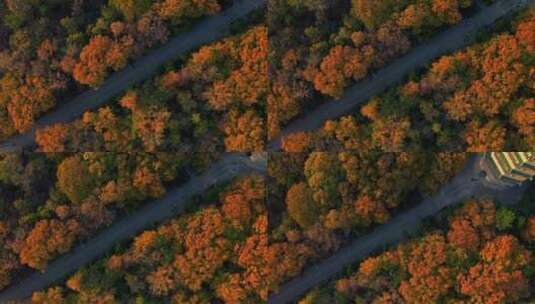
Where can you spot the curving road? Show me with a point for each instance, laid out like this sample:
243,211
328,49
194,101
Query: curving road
207,30
450,40
463,186
173,203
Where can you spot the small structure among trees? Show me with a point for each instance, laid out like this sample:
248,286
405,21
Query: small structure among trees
510,168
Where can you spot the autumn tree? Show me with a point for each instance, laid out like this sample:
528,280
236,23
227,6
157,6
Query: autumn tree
429,273
74,179
162,281
131,8
51,138
178,12
390,135
445,165
92,67
101,54
46,240
323,173
148,181
203,241
244,132
296,142
486,137
301,207
371,211
524,119
499,276
529,231
150,125
25,98
341,64
269,264
348,132
447,10
373,13
463,234
51,295
524,31
473,224
247,84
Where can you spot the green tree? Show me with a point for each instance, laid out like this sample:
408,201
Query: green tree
505,219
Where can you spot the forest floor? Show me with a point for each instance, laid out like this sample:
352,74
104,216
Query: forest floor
172,204
465,185
455,38
207,30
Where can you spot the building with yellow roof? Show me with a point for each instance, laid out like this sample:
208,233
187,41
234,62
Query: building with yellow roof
512,168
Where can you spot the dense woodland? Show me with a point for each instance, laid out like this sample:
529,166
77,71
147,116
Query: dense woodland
239,242
481,253
216,253
476,100
320,201
226,251
52,49
50,201
213,101
319,47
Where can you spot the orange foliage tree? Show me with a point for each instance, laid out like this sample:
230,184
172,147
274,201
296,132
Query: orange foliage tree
48,238
296,142
499,276
51,138
25,98
96,58
244,132
487,137
429,274
51,295
373,13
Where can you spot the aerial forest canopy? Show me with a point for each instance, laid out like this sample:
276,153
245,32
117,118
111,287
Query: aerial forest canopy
51,201
482,253
215,253
212,102
320,201
267,151
318,48
50,50
476,100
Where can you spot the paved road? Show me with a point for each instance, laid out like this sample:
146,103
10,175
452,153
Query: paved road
207,30
460,188
448,41
173,203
